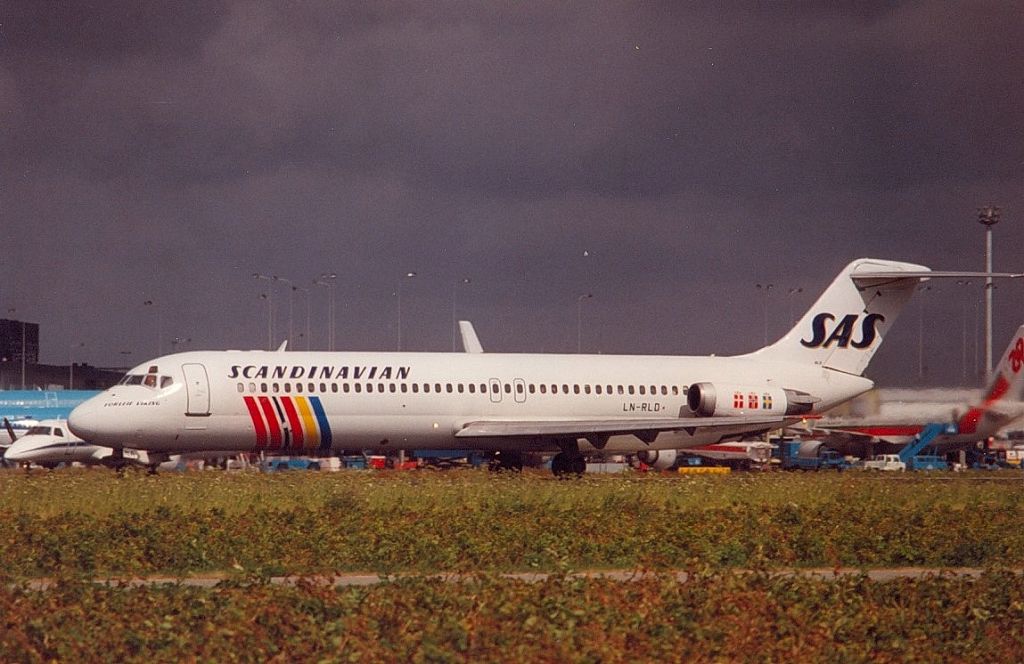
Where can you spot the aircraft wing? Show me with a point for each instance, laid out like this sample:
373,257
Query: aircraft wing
644,429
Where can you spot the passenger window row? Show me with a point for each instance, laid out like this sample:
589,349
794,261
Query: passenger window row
462,388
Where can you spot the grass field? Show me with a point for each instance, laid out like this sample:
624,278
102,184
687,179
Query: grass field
91,522
728,531
713,616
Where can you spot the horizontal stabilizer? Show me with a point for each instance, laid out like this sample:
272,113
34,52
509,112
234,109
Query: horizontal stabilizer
873,278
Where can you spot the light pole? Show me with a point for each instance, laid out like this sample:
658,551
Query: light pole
977,315
579,320
920,333
765,288
71,363
408,275
291,309
988,216
269,297
270,324
963,330
306,292
327,280
465,281
791,292
159,326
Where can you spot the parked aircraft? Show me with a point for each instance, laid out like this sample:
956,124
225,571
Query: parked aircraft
568,405
50,443
20,410
1001,404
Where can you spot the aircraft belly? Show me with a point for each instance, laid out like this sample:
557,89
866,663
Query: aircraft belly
666,440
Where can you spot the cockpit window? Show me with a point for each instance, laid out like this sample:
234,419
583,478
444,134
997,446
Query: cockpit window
149,380
38,431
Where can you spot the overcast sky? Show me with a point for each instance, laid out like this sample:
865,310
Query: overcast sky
664,157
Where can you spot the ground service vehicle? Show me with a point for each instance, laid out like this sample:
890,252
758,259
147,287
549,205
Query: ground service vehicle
810,455
889,462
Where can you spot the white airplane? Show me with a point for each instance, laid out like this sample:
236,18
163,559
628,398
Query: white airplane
569,405
49,443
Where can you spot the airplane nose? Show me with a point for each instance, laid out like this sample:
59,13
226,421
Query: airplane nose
90,423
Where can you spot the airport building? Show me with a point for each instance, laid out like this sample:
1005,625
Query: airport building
19,339
20,368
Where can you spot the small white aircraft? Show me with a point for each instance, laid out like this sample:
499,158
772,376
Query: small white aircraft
49,444
569,405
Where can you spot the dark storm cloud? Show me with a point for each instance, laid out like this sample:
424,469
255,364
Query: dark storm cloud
691,151
108,31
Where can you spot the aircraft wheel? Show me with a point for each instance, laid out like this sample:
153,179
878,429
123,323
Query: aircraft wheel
558,465
506,462
563,465
512,461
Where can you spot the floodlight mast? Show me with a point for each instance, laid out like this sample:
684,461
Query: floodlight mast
988,216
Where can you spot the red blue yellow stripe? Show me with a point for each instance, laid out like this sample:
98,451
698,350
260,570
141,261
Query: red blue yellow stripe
289,422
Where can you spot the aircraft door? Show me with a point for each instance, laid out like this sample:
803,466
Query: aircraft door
197,389
519,390
495,389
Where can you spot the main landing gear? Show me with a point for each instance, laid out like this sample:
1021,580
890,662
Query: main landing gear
564,464
510,462
569,461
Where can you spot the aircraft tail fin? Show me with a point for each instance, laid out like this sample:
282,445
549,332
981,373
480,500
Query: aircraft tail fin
1001,402
847,324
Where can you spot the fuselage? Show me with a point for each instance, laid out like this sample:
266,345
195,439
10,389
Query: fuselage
258,400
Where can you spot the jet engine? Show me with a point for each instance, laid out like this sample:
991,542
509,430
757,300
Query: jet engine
657,459
709,399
